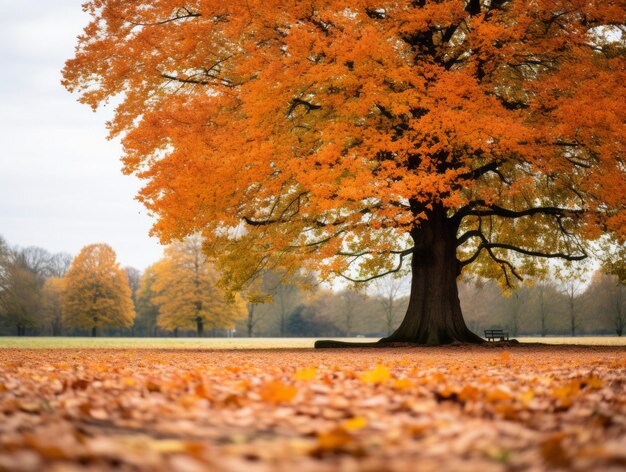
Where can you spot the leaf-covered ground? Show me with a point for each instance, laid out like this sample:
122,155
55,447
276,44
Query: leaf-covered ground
450,408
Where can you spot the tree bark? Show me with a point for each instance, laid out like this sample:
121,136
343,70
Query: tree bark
199,326
94,331
434,315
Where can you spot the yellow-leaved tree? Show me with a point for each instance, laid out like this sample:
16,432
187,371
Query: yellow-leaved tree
187,293
96,291
52,304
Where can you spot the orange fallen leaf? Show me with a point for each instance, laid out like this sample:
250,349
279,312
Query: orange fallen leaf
377,375
335,439
402,384
277,392
306,374
354,424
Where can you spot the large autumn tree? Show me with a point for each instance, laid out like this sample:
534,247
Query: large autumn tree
96,292
186,290
361,138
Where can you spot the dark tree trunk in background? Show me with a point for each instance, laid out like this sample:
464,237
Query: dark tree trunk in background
94,331
200,326
250,320
572,317
175,332
434,313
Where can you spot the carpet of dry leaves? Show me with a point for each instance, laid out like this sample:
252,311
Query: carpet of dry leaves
486,408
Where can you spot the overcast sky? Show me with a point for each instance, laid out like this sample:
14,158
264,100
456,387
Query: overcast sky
61,186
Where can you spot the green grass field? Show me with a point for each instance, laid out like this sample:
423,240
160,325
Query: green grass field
238,343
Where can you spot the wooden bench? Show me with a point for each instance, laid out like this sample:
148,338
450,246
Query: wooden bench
493,334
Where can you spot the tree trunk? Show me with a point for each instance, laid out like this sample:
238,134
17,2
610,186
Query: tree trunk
175,332
250,321
56,329
434,313
94,331
200,326
572,317
542,308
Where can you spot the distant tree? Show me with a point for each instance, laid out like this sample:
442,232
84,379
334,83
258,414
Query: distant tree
4,250
618,295
304,321
572,290
619,308
22,273
543,314
388,291
285,295
96,291
480,298
134,279
549,302
606,300
187,292
38,260
514,303
59,264
146,308
20,294
52,304
349,300
260,291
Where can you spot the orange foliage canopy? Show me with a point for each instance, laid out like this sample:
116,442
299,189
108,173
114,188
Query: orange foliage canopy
326,131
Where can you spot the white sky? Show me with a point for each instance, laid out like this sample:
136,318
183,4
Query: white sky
61,186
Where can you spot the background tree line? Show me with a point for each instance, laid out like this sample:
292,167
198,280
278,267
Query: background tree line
54,294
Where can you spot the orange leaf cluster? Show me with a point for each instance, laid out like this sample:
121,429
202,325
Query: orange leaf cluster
333,128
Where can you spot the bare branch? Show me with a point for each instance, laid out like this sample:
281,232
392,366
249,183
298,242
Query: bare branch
181,14
495,210
398,268
549,255
405,252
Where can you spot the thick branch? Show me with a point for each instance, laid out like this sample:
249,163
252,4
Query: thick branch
549,255
398,268
187,14
296,102
405,252
480,171
495,210
486,244
185,81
